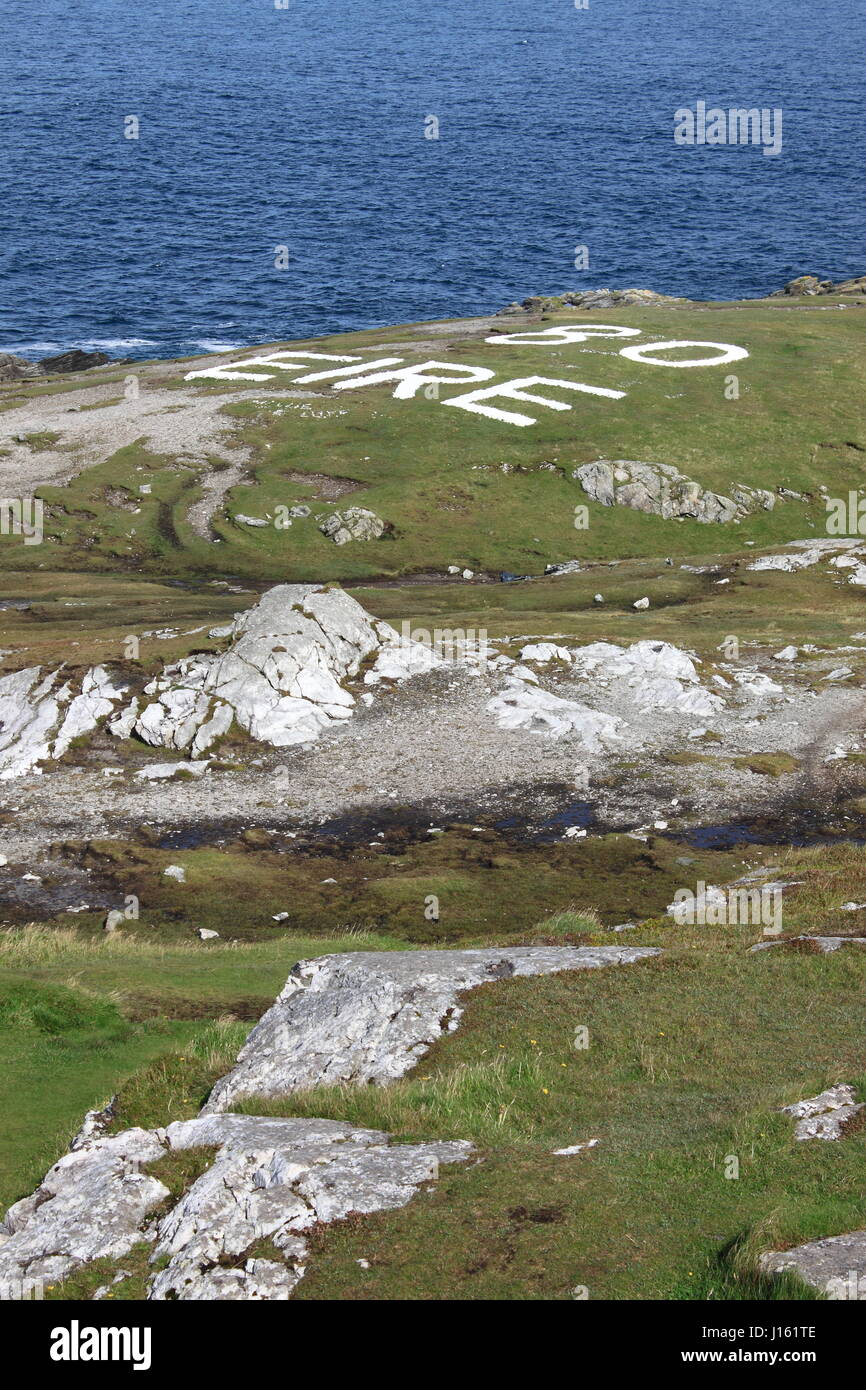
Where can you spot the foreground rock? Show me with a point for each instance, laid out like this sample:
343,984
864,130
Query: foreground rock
369,1017
836,1266
91,1205
269,1179
356,1018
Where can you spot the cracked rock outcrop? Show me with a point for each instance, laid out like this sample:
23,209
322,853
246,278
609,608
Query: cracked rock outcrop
272,1179
370,1016
357,1018
282,678
91,1205
836,1266
268,1179
662,490
41,715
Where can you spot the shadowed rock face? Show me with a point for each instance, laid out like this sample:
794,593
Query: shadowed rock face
74,361
370,1017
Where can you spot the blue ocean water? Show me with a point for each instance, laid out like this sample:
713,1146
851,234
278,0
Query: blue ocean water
303,127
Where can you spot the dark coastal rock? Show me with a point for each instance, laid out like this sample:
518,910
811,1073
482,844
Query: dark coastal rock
74,361
597,299
14,368
810,285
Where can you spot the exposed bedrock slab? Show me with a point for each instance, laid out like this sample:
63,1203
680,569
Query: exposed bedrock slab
90,1205
369,1016
269,1179
273,1179
836,1266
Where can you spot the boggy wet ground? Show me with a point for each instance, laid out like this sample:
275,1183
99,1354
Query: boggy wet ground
405,872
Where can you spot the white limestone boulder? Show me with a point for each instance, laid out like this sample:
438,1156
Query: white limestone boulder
522,705
654,675
283,676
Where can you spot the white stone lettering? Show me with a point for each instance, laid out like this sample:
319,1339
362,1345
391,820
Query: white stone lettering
567,333
410,379
285,361
514,391
336,372
729,353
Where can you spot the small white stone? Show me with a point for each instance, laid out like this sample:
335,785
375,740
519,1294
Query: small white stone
576,1149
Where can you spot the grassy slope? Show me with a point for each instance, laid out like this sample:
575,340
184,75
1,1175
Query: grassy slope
690,1055
435,473
79,1016
689,1058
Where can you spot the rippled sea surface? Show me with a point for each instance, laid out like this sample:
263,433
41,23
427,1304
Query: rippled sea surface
304,128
